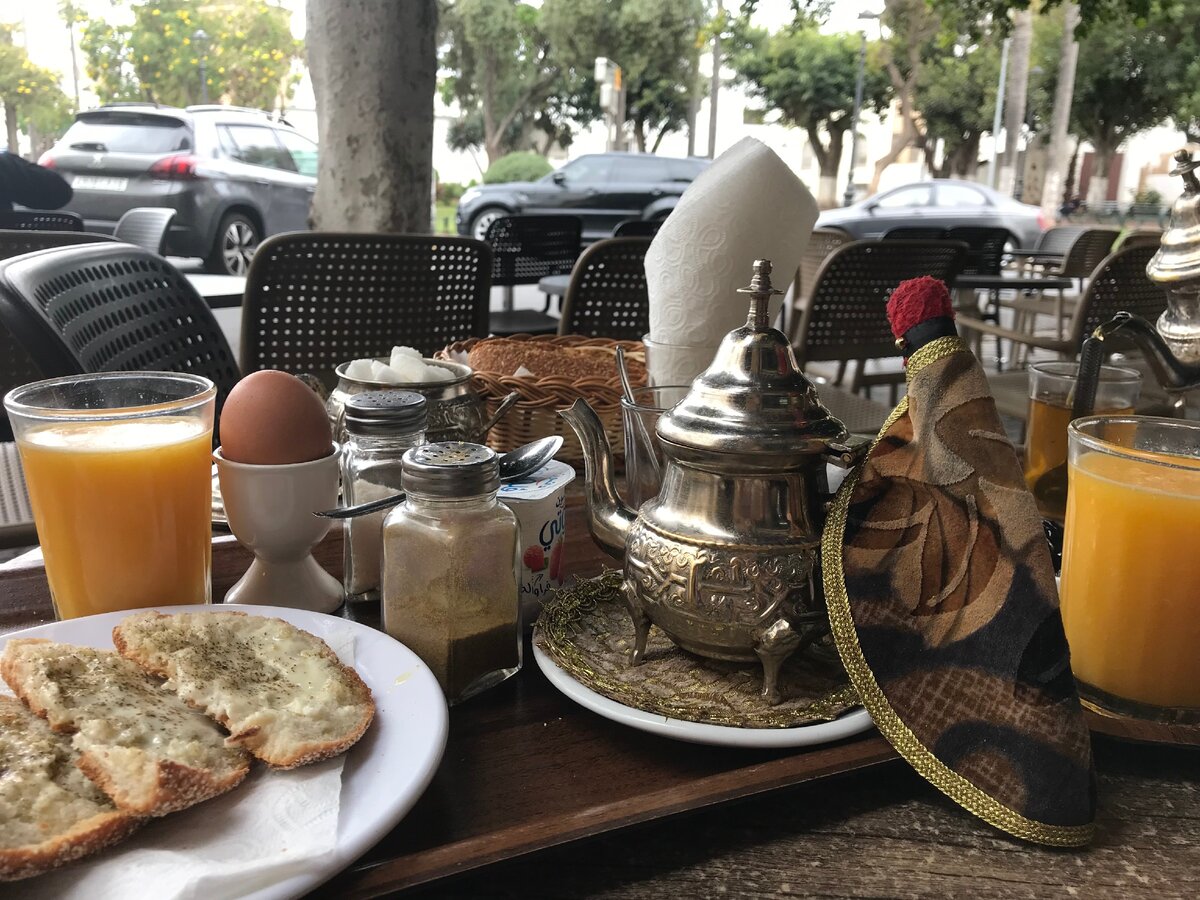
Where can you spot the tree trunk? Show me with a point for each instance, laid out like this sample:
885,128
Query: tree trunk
829,159
1098,183
1016,98
10,124
1056,162
715,85
639,134
693,101
374,71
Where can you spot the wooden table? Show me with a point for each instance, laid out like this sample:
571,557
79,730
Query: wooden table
877,832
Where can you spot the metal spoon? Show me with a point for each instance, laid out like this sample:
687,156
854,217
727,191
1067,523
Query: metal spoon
514,465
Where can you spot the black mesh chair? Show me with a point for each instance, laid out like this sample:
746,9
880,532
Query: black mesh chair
915,233
607,296
638,228
526,249
17,367
41,220
110,308
985,247
315,300
846,320
145,227
16,243
821,243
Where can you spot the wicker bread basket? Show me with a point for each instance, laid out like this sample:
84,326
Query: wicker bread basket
535,415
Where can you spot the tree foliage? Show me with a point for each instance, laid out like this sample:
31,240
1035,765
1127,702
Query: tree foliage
248,54
655,42
957,93
520,166
810,79
522,74
29,92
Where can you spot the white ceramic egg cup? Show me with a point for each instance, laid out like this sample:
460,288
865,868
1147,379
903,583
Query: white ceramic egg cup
270,510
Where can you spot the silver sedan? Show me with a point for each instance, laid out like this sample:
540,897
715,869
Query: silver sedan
941,203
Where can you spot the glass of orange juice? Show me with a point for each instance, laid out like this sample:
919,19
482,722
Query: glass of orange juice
1051,396
1131,565
118,467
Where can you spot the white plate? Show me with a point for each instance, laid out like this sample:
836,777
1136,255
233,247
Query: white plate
385,772
99,183
847,725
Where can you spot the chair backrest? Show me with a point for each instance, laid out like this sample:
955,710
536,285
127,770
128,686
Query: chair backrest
111,307
915,233
17,367
145,226
821,243
41,220
607,295
1058,239
1118,283
1142,237
315,300
846,317
525,249
638,228
985,247
1087,251
18,242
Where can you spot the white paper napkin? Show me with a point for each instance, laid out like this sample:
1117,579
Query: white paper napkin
271,827
747,205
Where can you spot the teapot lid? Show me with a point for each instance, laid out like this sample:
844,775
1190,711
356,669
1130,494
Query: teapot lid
1178,258
753,400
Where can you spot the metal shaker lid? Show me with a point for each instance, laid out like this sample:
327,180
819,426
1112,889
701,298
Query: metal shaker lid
386,412
451,469
753,400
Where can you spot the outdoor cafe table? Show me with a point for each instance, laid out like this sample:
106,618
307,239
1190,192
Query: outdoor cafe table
527,770
220,291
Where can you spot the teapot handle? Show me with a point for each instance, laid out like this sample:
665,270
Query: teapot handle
848,453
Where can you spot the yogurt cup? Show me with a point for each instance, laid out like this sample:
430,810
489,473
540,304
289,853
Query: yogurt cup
539,503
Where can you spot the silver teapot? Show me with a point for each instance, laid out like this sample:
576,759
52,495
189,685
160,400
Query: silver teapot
725,560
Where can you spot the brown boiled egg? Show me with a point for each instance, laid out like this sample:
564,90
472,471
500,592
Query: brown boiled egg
272,418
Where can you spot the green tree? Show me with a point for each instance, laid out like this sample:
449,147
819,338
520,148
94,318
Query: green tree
505,79
810,78
248,54
956,99
32,99
654,42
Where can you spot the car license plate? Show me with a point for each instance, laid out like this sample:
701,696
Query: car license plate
99,183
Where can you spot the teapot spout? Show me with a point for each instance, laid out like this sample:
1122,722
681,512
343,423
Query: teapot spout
609,519
1172,373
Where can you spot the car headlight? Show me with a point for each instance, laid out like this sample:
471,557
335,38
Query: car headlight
469,196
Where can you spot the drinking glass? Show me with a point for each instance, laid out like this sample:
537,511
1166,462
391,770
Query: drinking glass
118,467
643,453
1130,589
1051,396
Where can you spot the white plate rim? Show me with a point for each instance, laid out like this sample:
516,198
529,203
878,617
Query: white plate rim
358,829
850,723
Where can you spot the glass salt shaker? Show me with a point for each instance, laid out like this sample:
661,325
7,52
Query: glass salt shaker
380,427
450,569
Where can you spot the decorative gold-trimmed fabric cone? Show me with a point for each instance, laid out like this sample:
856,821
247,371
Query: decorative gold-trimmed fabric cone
944,609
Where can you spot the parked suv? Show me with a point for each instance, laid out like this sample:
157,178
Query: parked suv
603,189
234,176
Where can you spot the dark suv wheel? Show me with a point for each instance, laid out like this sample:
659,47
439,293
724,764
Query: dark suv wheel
236,240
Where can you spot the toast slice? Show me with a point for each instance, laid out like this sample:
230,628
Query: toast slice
50,813
142,745
282,692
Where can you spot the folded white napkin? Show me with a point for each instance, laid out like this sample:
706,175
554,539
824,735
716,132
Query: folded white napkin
273,826
747,205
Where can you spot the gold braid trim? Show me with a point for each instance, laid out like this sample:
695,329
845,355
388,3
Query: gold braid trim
841,622
938,348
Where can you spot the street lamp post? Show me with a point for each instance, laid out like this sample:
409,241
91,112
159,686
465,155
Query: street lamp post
848,197
200,39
